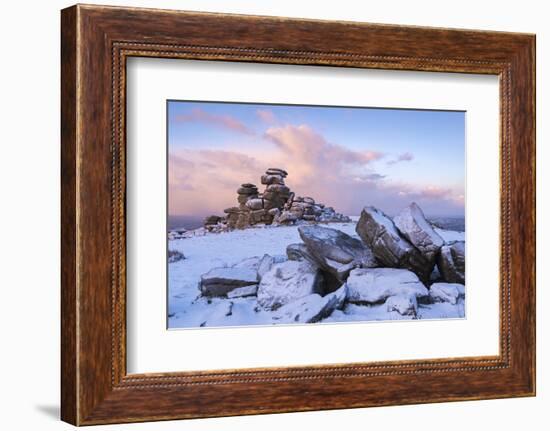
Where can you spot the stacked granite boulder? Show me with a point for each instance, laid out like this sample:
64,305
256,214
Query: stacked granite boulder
276,193
276,205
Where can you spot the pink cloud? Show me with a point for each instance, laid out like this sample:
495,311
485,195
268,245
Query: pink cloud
310,157
435,192
330,173
266,116
205,181
226,121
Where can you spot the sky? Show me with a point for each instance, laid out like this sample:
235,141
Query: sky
344,157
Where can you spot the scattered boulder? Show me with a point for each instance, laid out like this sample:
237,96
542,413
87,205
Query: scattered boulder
175,256
446,292
287,281
413,225
373,285
392,250
406,305
329,215
220,281
334,251
312,308
451,262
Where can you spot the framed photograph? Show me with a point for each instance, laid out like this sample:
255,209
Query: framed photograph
264,214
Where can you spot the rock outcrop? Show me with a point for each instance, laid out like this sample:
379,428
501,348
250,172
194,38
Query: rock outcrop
334,251
395,265
389,247
451,262
277,204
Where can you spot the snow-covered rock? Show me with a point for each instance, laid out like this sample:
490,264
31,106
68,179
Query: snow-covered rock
391,249
312,308
285,217
259,264
299,251
377,284
175,256
250,263
451,262
265,264
241,292
446,292
220,281
334,251
204,251
406,305
287,281
413,225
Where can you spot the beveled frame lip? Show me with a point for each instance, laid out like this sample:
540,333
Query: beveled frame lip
96,40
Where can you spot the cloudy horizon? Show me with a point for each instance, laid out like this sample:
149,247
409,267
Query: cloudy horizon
343,157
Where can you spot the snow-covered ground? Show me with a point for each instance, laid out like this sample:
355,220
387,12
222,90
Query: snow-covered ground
449,235
187,309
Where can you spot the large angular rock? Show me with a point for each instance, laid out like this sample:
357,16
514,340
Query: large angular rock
392,250
446,292
312,308
413,225
451,262
336,252
378,284
220,281
288,281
